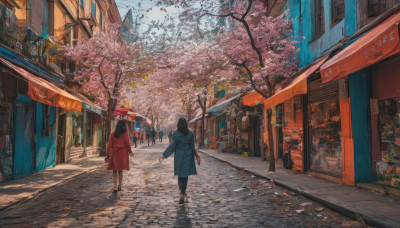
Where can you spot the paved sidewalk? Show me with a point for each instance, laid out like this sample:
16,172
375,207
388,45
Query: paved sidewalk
360,204
15,191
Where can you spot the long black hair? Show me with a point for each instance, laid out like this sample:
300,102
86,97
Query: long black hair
120,128
183,126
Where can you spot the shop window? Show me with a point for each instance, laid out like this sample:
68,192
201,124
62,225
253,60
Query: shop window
318,17
388,169
337,7
46,120
325,137
77,129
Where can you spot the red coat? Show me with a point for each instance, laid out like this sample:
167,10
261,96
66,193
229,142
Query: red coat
119,149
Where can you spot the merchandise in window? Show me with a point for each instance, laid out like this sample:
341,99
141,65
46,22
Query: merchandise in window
388,169
325,137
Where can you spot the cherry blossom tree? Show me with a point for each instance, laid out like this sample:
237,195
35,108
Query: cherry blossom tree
194,70
105,64
261,48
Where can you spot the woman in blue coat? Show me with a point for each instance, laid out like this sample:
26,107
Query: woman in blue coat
183,146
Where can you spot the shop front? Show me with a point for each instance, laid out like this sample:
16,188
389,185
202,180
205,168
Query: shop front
385,122
324,128
291,135
370,63
8,92
289,111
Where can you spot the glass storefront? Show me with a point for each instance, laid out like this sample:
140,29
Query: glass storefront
388,169
325,137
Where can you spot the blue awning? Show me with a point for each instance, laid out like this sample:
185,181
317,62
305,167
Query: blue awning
87,104
91,108
27,65
222,105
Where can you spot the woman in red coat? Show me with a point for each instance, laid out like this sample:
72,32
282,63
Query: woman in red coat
118,151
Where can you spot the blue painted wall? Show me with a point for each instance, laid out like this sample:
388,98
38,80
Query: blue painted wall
301,14
45,145
24,131
359,86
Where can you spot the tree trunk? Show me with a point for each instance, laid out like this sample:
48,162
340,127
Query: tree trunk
271,142
112,103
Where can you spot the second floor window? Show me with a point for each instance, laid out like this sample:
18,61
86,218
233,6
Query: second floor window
93,9
82,3
101,21
375,7
319,17
337,7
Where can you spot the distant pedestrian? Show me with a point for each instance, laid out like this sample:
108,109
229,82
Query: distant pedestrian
141,135
170,136
135,138
184,165
153,135
118,149
148,137
160,135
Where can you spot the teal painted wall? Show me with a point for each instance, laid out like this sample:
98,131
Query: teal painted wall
45,145
359,87
300,12
24,132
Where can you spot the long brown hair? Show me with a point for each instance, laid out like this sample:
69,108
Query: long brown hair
120,128
183,126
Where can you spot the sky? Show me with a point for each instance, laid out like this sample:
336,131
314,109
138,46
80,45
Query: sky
148,8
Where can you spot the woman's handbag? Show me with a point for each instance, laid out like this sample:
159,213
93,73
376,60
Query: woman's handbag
197,156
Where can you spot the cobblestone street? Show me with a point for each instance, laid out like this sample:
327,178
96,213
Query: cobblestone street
219,196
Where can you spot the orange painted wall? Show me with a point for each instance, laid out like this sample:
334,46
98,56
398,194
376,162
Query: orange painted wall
292,122
347,142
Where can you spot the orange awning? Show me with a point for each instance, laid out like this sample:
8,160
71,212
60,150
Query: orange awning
43,91
148,121
297,87
253,98
379,43
127,108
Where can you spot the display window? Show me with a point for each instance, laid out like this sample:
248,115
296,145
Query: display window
388,169
77,129
325,144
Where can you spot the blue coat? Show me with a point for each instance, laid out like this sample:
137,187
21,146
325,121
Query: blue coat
183,146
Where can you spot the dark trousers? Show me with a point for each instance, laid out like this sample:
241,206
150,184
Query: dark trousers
135,142
182,183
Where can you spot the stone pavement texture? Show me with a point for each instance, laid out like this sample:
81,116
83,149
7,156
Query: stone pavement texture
371,207
27,187
219,196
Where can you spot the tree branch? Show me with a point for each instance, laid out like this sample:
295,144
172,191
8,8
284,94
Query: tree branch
102,77
253,84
